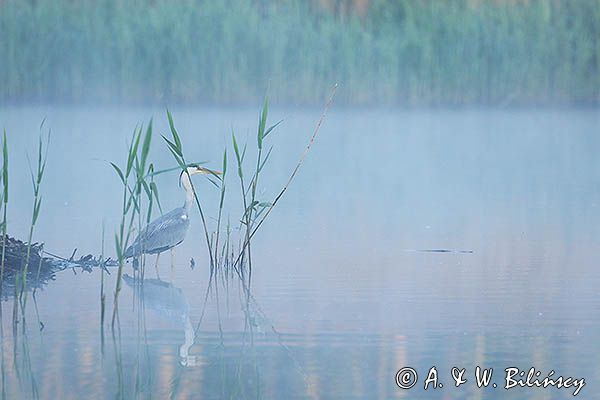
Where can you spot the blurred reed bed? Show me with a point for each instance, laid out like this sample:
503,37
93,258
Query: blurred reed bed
429,52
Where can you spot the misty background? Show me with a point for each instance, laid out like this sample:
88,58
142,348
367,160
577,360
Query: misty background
418,53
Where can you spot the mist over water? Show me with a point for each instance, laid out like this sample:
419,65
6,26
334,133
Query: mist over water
335,271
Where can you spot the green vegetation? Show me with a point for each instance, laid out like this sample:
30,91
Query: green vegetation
220,260
252,207
232,260
426,52
36,179
136,187
140,192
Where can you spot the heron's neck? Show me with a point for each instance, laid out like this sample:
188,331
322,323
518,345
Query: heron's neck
188,329
189,192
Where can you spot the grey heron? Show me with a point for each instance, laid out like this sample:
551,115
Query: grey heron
169,230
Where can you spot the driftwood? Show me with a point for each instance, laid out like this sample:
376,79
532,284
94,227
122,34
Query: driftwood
41,266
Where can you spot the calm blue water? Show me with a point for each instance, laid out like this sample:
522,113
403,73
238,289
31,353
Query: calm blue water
341,299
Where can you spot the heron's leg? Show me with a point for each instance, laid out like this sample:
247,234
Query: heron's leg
156,266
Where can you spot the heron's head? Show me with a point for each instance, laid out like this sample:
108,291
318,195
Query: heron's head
197,169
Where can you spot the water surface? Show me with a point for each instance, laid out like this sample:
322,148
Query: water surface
342,300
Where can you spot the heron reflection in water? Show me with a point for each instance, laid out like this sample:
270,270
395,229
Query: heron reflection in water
170,302
166,232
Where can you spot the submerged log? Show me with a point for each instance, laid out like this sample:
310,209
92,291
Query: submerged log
41,266
15,253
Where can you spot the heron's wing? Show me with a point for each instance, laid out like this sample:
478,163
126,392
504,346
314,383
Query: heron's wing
161,234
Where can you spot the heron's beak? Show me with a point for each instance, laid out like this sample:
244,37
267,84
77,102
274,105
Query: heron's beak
206,171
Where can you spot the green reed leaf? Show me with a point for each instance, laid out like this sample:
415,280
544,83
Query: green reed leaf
146,145
271,128
262,122
155,192
174,131
264,161
119,172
